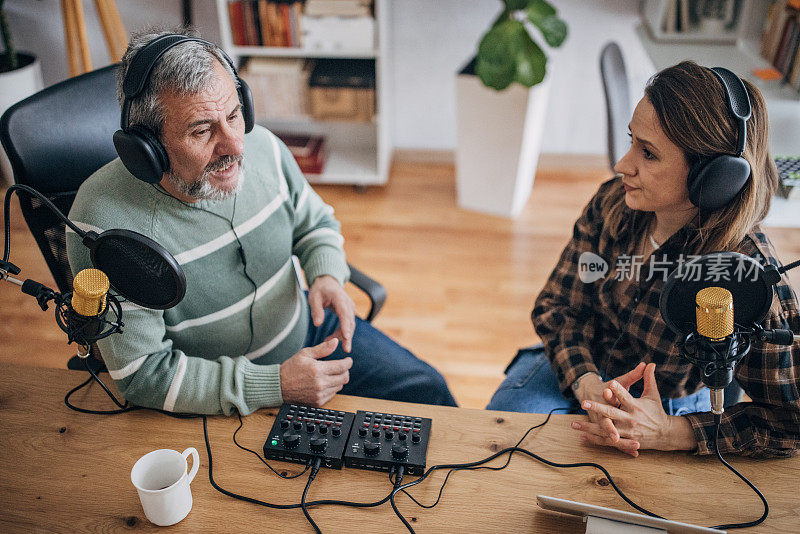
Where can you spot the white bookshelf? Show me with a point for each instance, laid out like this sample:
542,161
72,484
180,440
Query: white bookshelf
742,57
358,153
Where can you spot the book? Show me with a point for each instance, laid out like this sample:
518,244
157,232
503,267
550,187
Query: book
794,77
236,15
251,37
308,150
775,32
791,51
341,8
777,58
279,87
684,16
338,33
670,16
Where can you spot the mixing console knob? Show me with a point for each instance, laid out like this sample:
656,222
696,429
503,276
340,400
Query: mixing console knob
318,445
362,432
323,429
284,424
336,431
371,448
415,438
399,452
291,440
310,427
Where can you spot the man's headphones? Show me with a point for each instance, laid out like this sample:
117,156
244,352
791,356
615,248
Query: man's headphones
139,148
716,180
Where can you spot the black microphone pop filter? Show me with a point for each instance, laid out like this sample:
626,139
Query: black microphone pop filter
742,275
138,268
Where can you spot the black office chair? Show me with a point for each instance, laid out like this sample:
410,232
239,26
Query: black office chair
618,103
56,139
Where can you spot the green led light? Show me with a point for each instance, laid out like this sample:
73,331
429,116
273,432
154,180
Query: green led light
274,442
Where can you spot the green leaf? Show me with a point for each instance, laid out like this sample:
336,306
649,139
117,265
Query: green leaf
538,10
554,30
530,63
496,65
495,75
503,16
514,5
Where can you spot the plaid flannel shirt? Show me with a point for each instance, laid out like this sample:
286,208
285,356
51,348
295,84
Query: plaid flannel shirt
590,327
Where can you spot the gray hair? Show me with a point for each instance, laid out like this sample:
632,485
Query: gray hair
184,69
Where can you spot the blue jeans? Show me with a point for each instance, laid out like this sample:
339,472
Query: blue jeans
531,386
382,369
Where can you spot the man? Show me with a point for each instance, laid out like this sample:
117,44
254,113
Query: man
233,209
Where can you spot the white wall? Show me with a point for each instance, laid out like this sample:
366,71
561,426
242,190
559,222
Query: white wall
431,41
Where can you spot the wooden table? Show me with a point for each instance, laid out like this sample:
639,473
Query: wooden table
62,471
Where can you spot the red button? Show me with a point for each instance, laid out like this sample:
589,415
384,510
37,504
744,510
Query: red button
396,428
376,425
289,417
416,430
339,423
366,425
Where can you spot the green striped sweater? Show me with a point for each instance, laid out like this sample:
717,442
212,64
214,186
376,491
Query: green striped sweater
201,356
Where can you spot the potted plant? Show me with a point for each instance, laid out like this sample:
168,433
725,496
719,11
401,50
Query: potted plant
502,102
20,76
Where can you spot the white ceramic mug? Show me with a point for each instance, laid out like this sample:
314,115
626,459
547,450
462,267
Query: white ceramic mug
162,481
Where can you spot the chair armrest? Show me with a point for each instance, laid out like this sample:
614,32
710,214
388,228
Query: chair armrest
374,290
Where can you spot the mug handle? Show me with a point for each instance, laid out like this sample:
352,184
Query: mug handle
195,461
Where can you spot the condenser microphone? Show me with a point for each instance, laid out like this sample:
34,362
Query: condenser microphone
88,306
697,304
716,344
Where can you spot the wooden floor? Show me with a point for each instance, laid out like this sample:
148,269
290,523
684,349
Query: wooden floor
461,285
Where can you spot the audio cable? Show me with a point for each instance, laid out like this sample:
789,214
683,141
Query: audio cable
122,407
398,474
311,476
282,475
511,450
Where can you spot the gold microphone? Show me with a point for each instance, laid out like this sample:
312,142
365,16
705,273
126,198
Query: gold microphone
89,304
714,311
89,290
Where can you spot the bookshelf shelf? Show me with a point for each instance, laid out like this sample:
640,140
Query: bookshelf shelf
358,153
297,52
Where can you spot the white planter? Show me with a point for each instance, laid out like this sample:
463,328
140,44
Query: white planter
499,137
14,86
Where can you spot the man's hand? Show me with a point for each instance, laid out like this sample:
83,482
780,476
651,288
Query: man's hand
591,388
327,292
641,423
306,380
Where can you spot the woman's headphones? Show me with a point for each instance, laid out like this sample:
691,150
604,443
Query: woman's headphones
139,148
716,180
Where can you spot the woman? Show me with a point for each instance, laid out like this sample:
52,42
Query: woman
606,348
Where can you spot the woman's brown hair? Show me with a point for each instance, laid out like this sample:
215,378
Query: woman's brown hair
692,108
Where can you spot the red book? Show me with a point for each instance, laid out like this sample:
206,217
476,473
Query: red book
236,14
287,25
308,150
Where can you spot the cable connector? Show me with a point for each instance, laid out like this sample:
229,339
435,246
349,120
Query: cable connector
399,475
6,268
315,468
